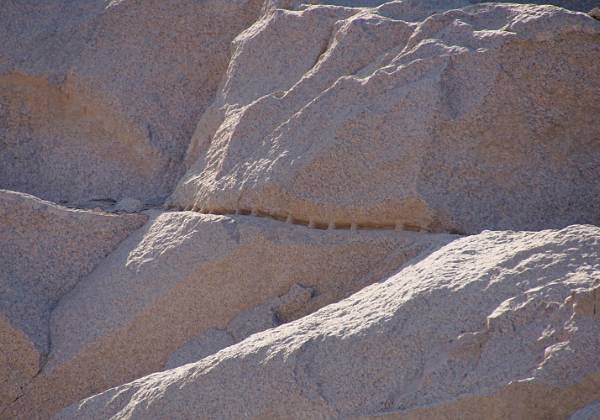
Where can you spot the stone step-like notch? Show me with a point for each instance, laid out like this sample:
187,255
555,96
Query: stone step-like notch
312,223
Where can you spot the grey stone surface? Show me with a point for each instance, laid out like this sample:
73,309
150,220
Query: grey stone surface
45,250
294,304
589,412
129,205
185,273
496,325
207,343
436,115
98,99
316,155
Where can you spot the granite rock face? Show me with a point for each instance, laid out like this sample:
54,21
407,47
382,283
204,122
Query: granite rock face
589,412
438,115
484,327
45,250
186,273
260,209
98,99
260,318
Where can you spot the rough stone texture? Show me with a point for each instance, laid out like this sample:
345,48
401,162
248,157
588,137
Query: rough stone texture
98,99
128,205
589,412
207,343
44,250
578,5
361,124
185,273
273,313
496,325
418,113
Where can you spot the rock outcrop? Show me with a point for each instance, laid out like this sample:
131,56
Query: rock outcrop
98,99
441,115
589,412
44,251
260,318
186,273
497,325
260,209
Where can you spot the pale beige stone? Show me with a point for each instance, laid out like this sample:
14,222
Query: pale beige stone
487,326
328,137
98,99
185,273
45,250
129,205
273,313
197,348
431,115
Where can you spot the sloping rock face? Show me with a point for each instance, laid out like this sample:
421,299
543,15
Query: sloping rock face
98,99
438,115
44,250
480,328
589,412
578,5
186,273
262,317
303,169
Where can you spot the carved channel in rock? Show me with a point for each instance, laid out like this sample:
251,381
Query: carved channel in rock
310,223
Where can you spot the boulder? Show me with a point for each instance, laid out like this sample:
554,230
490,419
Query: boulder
186,273
496,325
45,250
273,313
442,116
98,99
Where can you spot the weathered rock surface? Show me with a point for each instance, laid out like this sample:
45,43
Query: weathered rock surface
44,250
432,114
186,273
273,313
373,129
128,205
589,412
98,99
205,344
497,325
